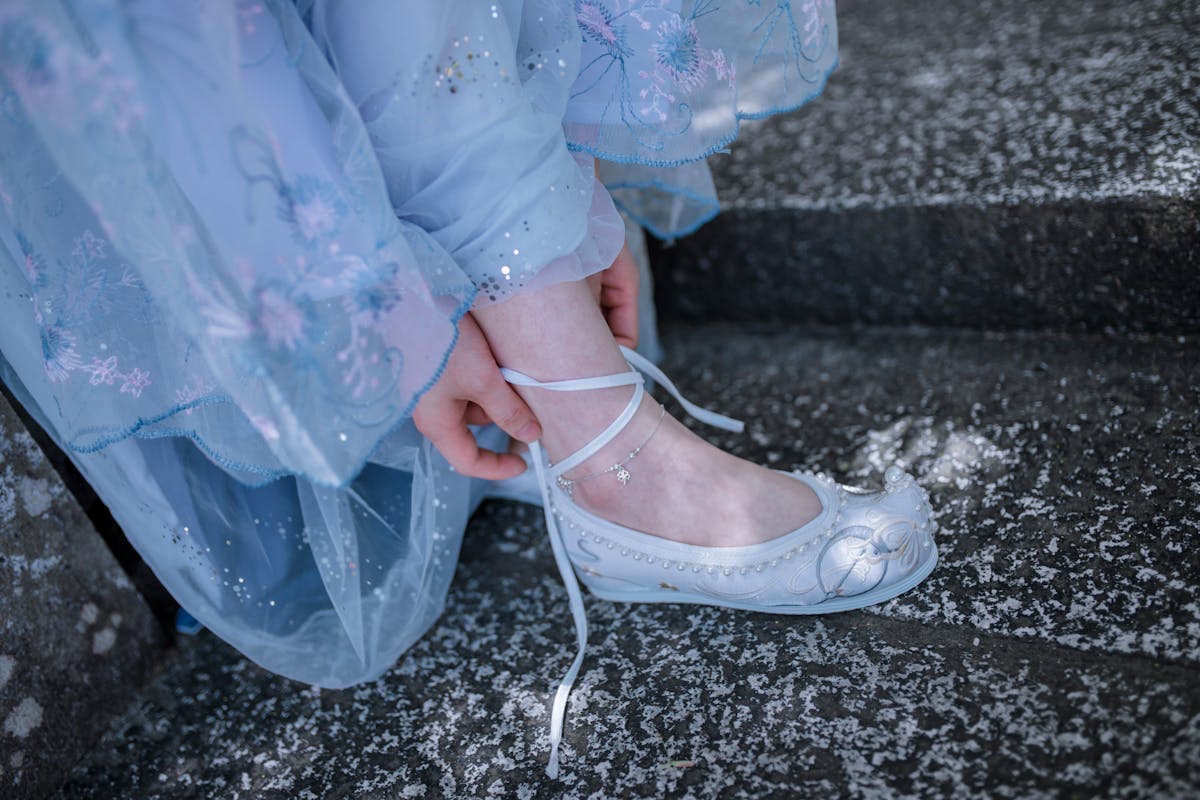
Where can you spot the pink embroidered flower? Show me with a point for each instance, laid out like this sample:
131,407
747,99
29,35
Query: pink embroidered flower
280,318
135,381
129,279
89,245
814,26
721,67
103,371
190,393
596,23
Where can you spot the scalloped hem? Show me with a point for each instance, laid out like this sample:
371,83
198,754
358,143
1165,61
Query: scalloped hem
710,205
721,145
239,469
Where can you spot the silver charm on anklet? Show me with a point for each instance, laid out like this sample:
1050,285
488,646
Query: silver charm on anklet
622,474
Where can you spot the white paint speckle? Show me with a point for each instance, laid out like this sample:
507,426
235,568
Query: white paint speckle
7,664
89,613
8,497
118,578
103,641
24,718
36,496
28,448
37,567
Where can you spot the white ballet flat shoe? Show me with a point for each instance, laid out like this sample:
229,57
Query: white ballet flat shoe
862,549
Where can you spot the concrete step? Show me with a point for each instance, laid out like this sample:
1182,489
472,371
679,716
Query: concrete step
1054,652
1004,164
76,638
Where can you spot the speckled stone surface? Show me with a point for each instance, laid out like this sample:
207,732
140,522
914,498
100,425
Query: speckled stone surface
1000,164
1054,652
1064,471
76,639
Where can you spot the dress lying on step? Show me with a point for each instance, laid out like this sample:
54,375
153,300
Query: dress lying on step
235,239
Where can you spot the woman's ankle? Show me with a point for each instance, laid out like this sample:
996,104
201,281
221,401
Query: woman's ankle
679,487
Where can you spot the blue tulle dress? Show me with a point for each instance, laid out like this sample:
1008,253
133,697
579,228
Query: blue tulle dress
235,239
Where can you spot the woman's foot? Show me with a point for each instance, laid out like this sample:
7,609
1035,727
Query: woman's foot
680,487
860,548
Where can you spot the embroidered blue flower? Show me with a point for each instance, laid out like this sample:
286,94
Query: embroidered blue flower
677,51
58,351
314,208
377,300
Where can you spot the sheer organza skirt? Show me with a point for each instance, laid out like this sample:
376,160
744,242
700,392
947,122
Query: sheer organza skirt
236,238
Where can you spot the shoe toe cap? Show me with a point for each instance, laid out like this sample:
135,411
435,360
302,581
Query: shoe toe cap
886,534
851,565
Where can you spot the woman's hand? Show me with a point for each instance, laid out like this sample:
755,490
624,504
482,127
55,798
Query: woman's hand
616,290
472,391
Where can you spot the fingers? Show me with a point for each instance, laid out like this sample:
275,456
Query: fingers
517,420
476,415
505,407
619,297
472,390
621,314
446,428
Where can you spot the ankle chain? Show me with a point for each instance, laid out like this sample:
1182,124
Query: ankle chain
623,475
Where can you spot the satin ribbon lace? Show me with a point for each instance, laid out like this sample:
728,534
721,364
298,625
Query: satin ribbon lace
548,474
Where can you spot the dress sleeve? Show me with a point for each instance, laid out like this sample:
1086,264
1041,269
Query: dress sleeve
195,213
464,102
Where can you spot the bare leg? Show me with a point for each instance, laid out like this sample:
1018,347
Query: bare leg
682,488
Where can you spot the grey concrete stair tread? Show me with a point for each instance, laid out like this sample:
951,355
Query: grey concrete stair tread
1000,165
981,103
76,638
1064,471
998,677
846,706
